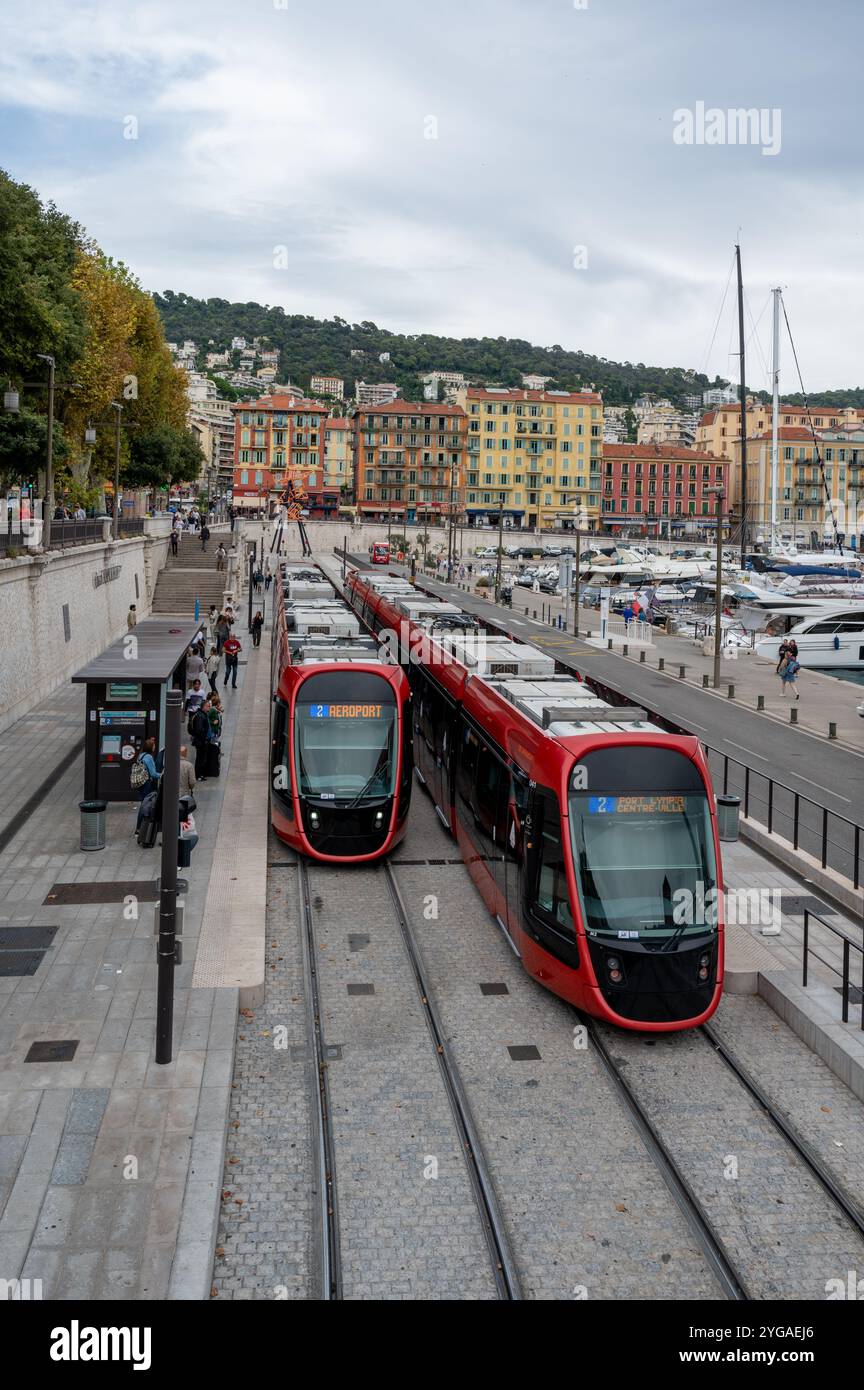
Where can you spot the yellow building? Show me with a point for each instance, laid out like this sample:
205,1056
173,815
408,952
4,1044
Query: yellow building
339,453
807,501
720,429
539,454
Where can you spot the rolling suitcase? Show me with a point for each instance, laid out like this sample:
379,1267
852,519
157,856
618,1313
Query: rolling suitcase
212,760
147,833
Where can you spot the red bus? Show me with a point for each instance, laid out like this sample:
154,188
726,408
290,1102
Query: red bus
589,831
379,552
341,740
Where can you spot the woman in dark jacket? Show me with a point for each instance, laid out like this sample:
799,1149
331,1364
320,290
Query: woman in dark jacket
257,624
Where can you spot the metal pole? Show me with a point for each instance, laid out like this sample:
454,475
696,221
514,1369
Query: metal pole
743,396
251,572
167,948
775,410
49,458
718,592
116,527
576,591
500,537
344,553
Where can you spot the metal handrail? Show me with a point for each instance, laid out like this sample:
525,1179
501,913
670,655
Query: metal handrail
844,974
797,799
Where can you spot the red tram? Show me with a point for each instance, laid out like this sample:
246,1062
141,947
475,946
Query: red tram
341,740
590,833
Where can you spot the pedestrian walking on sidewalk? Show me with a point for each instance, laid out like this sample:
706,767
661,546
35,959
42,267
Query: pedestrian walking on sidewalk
789,675
258,580
205,536
257,624
782,653
187,772
147,759
174,540
195,697
221,554
211,666
194,666
131,617
222,630
232,649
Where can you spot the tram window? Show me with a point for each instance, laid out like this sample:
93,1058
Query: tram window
468,745
492,792
280,762
551,894
431,714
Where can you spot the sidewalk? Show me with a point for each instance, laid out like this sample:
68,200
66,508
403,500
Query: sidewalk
111,1166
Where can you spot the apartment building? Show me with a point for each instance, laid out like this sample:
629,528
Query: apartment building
276,438
328,386
375,392
339,453
451,382
536,455
719,431
811,497
666,425
409,460
660,487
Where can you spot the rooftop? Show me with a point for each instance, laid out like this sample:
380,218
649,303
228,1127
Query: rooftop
161,642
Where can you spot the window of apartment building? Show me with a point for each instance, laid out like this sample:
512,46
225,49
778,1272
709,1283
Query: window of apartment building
244,476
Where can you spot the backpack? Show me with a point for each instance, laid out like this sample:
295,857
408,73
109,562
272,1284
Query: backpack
139,776
792,666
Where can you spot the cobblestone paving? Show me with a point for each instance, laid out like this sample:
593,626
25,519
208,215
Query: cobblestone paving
782,1232
586,1209
264,1245
408,1221
825,1113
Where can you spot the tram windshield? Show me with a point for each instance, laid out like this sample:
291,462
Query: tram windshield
345,739
644,860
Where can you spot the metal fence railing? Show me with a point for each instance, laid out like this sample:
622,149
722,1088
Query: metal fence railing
830,837
845,974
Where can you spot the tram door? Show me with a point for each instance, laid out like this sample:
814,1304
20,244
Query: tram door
514,849
492,805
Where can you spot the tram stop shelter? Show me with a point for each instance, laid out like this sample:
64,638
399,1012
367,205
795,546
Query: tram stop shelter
126,689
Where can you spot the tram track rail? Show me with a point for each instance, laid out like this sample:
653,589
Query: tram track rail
504,1267
327,1211
707,1238
808,1156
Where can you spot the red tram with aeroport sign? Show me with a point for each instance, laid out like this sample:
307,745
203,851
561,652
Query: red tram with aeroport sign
341,746
589,831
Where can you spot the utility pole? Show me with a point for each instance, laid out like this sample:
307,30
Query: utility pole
576,591
117,407
743,397
49,458
775,411
166,953
718,589
500,538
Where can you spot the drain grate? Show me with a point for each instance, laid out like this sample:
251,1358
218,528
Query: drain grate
494,988
52,1051
796,906
82,894
522,1053
26,938
20,962
361,989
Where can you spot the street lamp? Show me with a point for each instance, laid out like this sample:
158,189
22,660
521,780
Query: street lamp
717,494
500,538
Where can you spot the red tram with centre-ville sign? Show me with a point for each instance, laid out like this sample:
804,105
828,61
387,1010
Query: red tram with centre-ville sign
589,831
341,748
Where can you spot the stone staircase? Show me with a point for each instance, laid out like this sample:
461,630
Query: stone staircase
189,575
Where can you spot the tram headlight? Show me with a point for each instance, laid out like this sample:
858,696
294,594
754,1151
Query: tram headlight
704,965
613,967
313,819
379,819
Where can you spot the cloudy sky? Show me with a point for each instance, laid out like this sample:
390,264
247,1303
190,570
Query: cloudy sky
481,167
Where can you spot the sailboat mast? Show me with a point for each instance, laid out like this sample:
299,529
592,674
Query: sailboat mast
743,396
775,412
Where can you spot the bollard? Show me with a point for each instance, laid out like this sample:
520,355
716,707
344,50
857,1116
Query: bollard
625,650
760,702
526,612
642,656
681,671
535,615
832,729
793,715
705,680
730,693
661,664
609,643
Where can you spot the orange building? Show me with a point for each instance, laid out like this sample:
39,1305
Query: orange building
409,461
276,438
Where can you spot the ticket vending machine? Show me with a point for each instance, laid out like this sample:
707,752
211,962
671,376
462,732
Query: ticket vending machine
120,716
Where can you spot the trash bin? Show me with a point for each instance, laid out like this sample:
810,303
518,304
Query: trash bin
728,811
92,824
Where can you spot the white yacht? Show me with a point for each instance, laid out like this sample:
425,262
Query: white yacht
830,639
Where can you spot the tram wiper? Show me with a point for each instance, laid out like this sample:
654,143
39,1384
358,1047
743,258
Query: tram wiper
364,789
